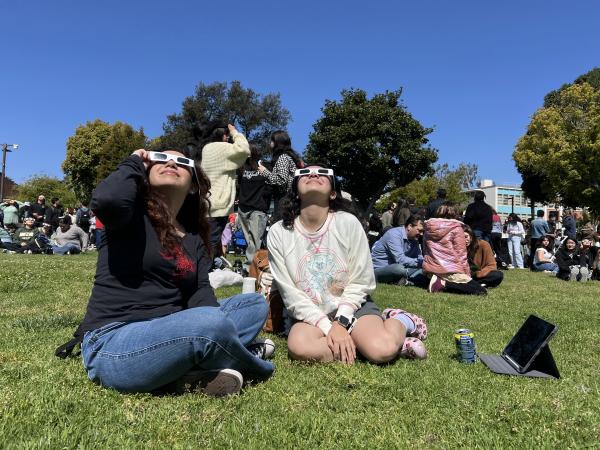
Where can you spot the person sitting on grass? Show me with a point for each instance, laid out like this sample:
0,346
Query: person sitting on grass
543,259
319,258
26,234
70,239
482,261
572,264
397,256
152,321
445,254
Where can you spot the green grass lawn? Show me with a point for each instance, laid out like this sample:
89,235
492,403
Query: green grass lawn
437,403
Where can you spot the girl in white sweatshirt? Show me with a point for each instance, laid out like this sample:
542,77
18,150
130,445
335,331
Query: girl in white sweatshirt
321,264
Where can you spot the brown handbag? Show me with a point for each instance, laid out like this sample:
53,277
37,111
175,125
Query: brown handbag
258,267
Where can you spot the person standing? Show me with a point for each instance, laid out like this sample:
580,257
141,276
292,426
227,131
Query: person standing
220,159
83,217
570,224
285,163
253,204
53,213
479,217
387,216
11,212
516,233
38,210
435,204
539,228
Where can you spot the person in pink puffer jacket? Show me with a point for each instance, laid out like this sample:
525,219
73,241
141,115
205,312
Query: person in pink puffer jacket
445,254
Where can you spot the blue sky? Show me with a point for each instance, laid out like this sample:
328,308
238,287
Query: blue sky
474,70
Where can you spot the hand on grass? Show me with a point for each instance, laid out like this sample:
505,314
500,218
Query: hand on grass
341,344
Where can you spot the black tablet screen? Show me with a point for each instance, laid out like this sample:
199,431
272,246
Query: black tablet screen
530,337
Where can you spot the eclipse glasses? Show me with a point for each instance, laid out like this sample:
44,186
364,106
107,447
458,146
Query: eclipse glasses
181,161
313,171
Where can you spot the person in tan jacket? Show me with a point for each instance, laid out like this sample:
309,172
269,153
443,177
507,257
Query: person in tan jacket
224,151
482,260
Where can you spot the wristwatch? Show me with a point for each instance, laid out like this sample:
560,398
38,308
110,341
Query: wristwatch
346,322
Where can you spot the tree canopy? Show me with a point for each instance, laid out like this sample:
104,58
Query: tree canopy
559,155
373,144
95,150
49,187
592,78
453,180
255,115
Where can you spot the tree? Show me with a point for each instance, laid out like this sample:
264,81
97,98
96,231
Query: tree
373,144
255,115
95,150
592,78
562,148
49,187
454,181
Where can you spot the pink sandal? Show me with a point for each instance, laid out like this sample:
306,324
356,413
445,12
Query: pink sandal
420,325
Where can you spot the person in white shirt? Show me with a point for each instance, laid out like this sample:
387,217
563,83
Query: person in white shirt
321,264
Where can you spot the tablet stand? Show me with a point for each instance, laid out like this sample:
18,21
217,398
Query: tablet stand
543,365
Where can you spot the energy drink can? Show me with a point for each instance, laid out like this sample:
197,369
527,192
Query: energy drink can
465,345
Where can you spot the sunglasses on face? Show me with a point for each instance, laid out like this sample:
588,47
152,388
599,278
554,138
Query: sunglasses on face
320,171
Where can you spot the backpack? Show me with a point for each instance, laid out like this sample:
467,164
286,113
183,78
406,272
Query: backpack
84,220
259,269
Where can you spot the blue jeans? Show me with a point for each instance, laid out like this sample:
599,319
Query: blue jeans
254,224
479,234
145,355
514,249
63,249
546,266
394,272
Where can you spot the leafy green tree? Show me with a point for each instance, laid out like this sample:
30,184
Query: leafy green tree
49,187
562,148
592,78
373,144
454,181
254,114
95,150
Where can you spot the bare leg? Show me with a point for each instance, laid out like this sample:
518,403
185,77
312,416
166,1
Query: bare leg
308,343
377,340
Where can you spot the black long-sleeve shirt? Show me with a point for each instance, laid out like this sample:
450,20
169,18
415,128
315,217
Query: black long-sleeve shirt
135,278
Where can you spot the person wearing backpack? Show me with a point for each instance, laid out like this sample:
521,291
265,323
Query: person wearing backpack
83,216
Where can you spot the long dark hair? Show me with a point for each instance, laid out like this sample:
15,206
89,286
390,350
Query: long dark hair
472,247
251,163
193,215
400,213
290,203
208,132
540,243
282,144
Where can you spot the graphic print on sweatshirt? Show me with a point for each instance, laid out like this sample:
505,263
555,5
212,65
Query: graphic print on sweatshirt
323,276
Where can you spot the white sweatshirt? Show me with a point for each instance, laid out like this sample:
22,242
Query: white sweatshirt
322,274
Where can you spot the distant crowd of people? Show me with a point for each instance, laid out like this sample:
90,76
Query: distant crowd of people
35,227
404,251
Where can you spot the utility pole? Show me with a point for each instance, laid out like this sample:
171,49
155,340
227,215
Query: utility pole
5,149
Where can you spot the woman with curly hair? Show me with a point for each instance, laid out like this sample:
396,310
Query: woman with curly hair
152,321
320,260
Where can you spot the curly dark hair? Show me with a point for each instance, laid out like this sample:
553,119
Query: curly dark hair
290,203
193,215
